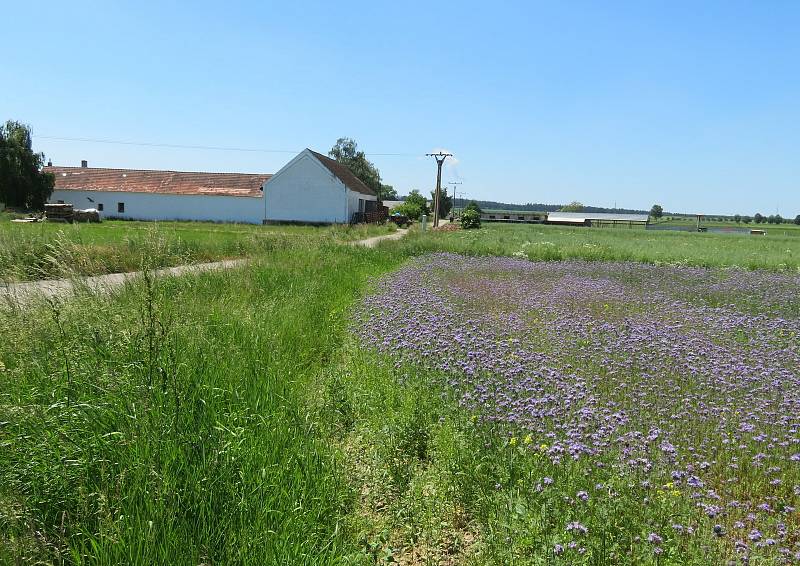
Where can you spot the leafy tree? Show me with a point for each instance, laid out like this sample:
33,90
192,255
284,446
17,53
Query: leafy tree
657,211
472,205
22,182
778,219
388,192
574,206
415,197
470,219
737,218
410,210
414,206
771,219
797,219
445,202
346,152
746,219
758,218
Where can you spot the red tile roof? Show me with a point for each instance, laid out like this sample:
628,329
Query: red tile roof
343,174
161,182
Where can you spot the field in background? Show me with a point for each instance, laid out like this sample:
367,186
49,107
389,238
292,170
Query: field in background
789,228
547,242
53,250
272,414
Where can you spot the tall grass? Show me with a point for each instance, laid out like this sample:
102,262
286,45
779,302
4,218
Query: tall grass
44,251
172,424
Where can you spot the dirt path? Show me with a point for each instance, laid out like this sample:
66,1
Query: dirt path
372,242
21,293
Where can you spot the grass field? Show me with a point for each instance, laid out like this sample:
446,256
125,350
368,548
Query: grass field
48,250
338,405
544,242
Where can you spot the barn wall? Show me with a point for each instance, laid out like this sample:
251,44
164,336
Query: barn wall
149,206
352,201
305,191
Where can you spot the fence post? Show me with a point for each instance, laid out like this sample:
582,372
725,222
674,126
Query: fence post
424,222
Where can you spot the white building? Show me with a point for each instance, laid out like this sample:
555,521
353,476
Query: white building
311,188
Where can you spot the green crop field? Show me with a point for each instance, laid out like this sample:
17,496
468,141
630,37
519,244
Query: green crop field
51,250
467,397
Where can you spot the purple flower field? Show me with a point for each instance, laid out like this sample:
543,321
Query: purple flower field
684,381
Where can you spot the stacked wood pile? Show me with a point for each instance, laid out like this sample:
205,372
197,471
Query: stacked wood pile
66,213
59,212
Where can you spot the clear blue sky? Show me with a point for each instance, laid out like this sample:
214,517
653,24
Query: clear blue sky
694,105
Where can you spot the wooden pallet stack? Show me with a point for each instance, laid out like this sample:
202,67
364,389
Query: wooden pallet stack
59,212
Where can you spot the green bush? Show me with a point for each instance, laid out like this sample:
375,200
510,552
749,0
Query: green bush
470,219
472,205
410,210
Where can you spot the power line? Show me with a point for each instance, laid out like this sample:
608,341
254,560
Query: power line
203,147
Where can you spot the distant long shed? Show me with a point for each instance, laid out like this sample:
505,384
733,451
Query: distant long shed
597,219
522,216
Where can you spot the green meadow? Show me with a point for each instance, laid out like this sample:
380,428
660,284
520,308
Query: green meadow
233,417
52,250
779,250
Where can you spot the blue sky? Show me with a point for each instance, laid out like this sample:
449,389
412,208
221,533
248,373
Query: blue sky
693,105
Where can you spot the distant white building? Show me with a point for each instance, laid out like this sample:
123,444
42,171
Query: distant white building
597,218
311,188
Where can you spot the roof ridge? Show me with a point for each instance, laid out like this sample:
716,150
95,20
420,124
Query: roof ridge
152,170
343,173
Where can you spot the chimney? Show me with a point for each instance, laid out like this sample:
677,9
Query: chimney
84,163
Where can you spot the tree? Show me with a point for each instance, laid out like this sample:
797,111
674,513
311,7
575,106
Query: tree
737,218
388,192
574,206
746,219
657,211
797,219
472,205
771,219
758,218
778,219
445,202
346,152
415,197
413,206
22,182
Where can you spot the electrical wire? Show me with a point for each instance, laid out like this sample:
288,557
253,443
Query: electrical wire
203,147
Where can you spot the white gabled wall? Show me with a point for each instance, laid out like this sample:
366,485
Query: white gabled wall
352,200
306,191
153,206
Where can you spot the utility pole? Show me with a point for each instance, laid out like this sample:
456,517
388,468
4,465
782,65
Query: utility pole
439,157
454,183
